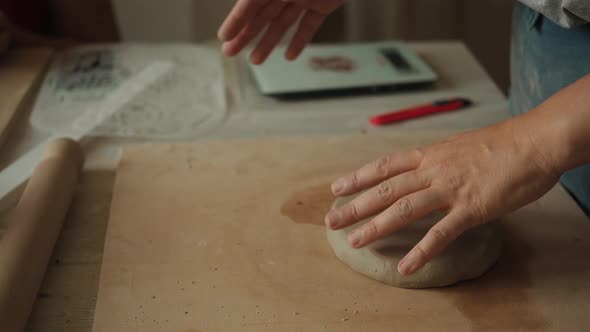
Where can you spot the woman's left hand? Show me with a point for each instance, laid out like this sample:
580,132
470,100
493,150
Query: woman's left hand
473,177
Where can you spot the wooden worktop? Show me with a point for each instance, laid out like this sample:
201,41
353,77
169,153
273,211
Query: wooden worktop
68,296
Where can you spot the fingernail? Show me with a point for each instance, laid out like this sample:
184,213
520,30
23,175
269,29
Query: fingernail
290,55
225,47
338,186
255,59
406,267
221,35
332,219
355,238
402,267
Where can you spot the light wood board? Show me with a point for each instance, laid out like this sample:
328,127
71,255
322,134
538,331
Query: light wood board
67,296
229,236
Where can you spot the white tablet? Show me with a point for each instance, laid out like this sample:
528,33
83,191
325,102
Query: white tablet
343,68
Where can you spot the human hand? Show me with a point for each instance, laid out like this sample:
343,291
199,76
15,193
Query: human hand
473,177
249,18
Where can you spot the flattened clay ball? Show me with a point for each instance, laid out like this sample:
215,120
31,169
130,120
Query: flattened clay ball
468,257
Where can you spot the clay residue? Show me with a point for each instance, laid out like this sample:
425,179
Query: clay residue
503,289
309,206
336,63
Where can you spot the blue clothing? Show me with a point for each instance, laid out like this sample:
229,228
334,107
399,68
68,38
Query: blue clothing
546,58
566,13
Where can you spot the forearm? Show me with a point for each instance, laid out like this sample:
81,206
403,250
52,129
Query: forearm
559,129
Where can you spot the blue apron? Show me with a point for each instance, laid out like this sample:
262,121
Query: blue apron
546,58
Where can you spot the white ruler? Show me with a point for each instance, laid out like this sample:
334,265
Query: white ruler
18,172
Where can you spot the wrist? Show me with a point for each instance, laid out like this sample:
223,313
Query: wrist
559,128
538,143
557,136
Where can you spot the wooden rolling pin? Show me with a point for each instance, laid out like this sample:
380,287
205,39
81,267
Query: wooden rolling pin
35,224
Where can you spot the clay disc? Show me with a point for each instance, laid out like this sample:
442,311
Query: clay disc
468,257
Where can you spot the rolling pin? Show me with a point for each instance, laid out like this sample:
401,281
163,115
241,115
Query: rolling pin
35,224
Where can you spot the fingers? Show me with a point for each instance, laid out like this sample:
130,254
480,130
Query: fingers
309,25
266,14
398,215
247,19
376,172
242,13
437,238
376,199
275,32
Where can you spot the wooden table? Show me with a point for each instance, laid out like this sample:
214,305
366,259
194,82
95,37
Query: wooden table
67,297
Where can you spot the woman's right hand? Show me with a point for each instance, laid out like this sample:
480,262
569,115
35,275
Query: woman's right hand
249,18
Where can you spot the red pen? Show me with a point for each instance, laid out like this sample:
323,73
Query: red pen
438,106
